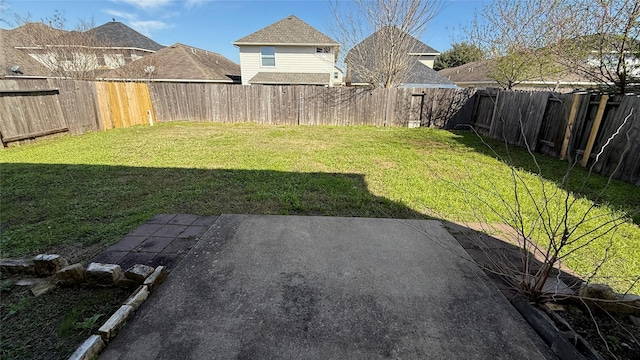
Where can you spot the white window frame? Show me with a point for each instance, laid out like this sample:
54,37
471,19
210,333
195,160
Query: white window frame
270,55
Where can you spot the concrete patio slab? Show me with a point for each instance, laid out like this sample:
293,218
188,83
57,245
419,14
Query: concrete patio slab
290,287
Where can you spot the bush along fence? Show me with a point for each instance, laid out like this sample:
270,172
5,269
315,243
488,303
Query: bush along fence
563,125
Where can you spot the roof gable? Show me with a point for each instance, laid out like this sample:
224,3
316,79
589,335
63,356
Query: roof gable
118,34
291,31
413,45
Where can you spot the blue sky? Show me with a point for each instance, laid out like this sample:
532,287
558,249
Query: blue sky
214,24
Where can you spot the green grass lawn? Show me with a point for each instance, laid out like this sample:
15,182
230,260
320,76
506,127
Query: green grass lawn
79,194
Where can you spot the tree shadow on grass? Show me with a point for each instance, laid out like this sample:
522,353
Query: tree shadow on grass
46,206
619,194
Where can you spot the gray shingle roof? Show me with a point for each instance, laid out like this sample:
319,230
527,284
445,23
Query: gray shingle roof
289,30
9,57
418,74
33,34
118,34
182,62
422,74
477,72
291,78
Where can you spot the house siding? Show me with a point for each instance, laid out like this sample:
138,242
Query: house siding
290,59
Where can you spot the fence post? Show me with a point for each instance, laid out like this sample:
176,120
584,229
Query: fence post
493,115
572,119
594,130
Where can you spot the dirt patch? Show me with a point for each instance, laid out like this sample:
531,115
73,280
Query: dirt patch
614,336
74,253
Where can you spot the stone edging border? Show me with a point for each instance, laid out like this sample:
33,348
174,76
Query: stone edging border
96,343
52,269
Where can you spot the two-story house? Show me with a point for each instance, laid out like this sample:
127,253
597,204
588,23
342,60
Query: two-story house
369,61
288,52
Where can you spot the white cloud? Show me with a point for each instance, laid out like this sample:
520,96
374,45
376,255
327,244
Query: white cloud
145,4
120,14
147,26
194,3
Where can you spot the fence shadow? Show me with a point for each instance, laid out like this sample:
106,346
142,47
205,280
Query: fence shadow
78,210
46,206
619,194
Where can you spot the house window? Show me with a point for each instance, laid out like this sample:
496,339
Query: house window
268,54
323,50
335,75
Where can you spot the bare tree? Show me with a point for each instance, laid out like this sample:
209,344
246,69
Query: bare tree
533,40
381,38
515,35
144,69
606,47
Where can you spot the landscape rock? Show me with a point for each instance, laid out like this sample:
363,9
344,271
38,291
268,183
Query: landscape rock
156,278
102,274
138,297
139,272
71,275
89,349
615,303
598,291
123,281
556,286
17,266
110,328
44,287
49,264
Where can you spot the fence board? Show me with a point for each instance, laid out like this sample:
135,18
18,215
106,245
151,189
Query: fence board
29,114
79,105
620,157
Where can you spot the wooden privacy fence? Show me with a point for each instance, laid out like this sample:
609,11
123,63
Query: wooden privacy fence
309,105
573,126
33,108
562,125
83,106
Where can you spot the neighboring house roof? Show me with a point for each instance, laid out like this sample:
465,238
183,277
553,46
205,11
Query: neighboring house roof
413,45
288,31
469,72
476,73
116,33
11,57
181,62
32,34
420,75
270,78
